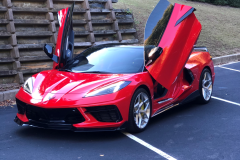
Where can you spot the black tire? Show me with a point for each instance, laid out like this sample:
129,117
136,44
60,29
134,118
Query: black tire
201,99
132,127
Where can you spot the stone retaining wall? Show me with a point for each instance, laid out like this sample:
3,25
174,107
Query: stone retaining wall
26,25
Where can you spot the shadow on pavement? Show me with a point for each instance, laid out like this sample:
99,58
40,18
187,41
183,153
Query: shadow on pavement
53,135
177,111
61,135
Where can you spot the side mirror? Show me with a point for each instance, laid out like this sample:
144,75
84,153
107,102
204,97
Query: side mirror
49,52
154,54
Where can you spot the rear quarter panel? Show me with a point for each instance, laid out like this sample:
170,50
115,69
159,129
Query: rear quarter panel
197,62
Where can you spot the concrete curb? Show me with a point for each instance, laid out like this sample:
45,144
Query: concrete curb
6,95
226,59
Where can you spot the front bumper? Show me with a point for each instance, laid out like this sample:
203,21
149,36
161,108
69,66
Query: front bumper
78,119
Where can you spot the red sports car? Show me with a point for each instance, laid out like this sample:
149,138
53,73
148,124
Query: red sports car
115,86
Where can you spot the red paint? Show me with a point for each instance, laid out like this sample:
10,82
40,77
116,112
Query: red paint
177,43
22,117
68,89
74,96
62,14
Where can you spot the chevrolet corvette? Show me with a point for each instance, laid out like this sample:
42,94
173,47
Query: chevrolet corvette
116,86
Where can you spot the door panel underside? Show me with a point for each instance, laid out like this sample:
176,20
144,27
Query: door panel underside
65,41
177,42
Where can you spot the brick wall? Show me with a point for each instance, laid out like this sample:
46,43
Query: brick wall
26,25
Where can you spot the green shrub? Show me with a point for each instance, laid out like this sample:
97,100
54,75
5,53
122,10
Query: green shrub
233,3
221,2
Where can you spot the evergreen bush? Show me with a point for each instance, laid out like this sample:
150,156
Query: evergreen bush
233,3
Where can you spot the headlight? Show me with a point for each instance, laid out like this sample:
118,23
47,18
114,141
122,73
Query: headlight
28,85
109,89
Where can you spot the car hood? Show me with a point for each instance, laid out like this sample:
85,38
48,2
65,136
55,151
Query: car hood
59,82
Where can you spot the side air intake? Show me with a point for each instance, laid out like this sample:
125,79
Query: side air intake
105,113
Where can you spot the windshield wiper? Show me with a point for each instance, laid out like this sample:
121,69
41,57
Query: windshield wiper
96,72
66,70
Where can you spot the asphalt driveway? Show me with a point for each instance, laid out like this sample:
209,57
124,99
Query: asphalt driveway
188,132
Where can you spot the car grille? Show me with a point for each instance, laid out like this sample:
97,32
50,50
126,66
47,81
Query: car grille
46,115
105,113
21,106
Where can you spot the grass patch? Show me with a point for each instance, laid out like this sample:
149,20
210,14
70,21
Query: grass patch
220,24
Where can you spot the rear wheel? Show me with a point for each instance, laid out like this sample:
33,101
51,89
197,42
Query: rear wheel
140,111
205,86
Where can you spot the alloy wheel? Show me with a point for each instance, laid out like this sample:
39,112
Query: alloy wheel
207,86
141,110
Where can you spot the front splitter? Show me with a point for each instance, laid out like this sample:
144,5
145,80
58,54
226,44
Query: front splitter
70,127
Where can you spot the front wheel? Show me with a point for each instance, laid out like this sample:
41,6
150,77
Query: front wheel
140,111
205,86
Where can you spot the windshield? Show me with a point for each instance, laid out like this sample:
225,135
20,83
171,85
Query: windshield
102,59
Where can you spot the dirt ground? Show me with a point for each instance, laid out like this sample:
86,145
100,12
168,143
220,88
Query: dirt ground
7,103
220,24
